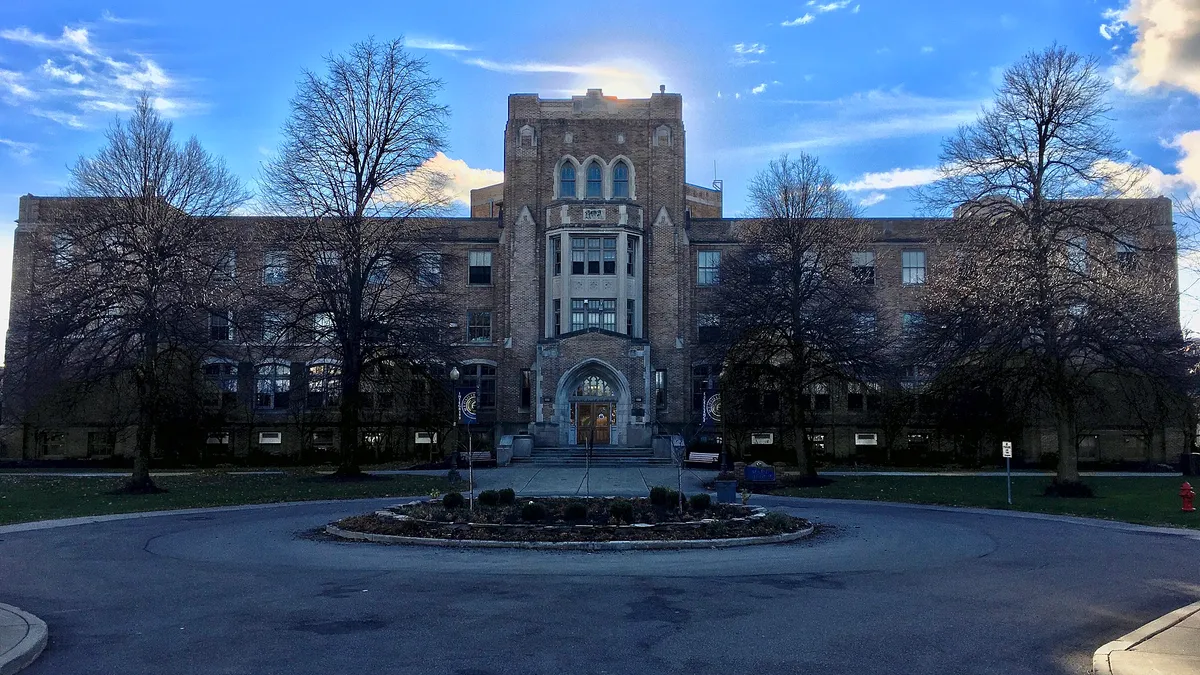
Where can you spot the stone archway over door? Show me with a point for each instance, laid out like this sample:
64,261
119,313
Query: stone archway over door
594,402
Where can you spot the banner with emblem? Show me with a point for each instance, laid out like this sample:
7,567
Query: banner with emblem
468,405
711,412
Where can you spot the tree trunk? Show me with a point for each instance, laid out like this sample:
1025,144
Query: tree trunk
1068,451
348,423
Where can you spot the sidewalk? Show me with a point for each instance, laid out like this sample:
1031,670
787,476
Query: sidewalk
1169,645
22,639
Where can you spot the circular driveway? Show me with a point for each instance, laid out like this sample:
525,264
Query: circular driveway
880,589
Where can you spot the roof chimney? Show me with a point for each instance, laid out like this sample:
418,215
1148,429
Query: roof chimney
662,88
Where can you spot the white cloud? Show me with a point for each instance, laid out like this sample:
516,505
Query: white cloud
1166,51
759,89
891,180
72,39
434,45
752,48
872,199
622,78
926,49
66,74
88,78
1185,181
831,6
461,178
18,150
11,81
864,117
799,21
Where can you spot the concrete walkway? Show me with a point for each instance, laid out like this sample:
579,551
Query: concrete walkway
22,639
1169,645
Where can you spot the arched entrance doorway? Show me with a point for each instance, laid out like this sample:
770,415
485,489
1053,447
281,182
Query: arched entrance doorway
592,405
593,411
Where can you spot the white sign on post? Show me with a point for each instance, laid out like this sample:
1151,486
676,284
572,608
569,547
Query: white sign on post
1006,446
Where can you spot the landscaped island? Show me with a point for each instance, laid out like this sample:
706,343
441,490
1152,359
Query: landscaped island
501,518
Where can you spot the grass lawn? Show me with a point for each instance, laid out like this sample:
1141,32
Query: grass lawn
1150,500
30,498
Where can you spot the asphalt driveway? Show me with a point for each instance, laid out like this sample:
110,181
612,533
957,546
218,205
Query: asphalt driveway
881,589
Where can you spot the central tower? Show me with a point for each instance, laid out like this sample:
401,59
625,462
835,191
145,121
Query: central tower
593,207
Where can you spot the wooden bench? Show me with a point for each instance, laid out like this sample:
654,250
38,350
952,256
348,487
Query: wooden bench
475,457
703,457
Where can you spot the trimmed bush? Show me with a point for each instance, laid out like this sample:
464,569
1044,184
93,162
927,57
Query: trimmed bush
621,511
452,500
507,497
533,512
575,511
489,498
700,502
659,496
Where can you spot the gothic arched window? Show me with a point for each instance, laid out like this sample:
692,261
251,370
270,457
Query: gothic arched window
621,180
566,181
595,181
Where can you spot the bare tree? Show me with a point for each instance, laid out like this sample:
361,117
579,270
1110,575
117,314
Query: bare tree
349,182
1055,281
128,272
790,298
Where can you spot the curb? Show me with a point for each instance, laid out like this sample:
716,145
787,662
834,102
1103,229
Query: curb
29,647
570,545
1100,659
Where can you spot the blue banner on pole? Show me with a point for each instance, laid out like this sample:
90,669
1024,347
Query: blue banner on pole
468,405
711,412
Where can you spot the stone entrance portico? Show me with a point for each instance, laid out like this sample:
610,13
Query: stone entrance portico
592,404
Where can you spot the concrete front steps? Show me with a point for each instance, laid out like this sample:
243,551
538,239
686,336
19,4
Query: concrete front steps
601,457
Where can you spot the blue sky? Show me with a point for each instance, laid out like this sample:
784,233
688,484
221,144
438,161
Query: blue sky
871,86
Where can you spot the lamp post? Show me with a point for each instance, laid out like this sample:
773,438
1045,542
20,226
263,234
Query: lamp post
452,475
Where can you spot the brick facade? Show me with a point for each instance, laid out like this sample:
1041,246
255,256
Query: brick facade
593,362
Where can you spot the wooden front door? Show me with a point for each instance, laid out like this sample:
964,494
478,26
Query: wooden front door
593,422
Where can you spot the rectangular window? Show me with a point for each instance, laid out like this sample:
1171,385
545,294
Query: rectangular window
479,326
557,318
630,316
660,389
378,273
273,326
429,270
101,443
610,255
707,328
526,389
708,263
1125,254
327,265
51,442
631,261
578,255
855,399
223,377
593,313
910,322
227,267
323,328
220,326
912,267
820,396
270,437
864,322
482,378
762,271
862,266
593,255
274,268
866,439
61,245
555,255
1077,255
479,264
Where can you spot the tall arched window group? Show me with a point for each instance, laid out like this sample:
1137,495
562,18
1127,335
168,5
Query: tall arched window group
594,180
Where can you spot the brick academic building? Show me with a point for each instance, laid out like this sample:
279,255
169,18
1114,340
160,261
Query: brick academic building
584,278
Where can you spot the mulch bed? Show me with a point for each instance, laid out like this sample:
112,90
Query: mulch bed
506,522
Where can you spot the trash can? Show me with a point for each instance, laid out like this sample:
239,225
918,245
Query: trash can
726,491
504,451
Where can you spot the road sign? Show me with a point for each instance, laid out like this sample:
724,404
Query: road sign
1007,447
